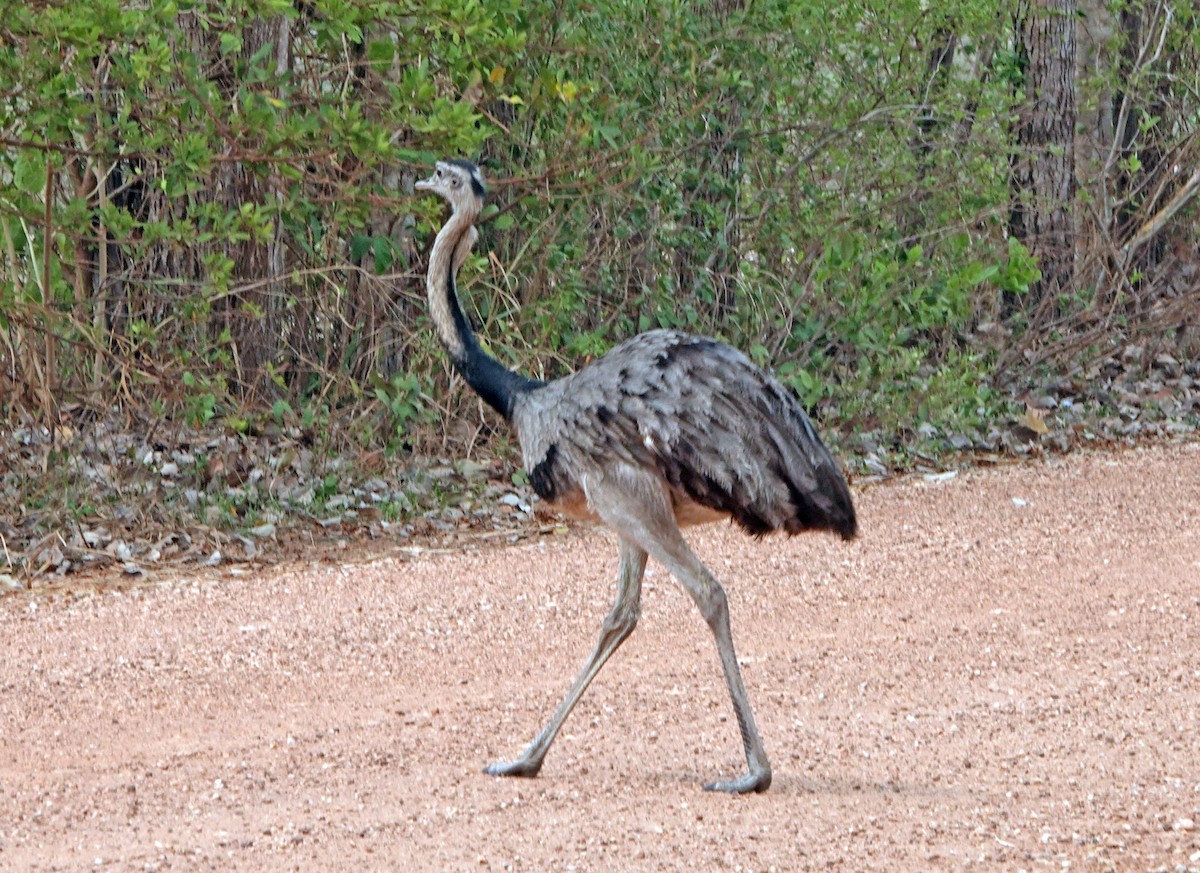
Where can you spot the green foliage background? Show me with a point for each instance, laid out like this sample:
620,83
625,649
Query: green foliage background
206,211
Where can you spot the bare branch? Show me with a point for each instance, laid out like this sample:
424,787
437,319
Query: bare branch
1160,219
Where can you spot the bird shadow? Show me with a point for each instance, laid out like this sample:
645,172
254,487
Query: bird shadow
792,785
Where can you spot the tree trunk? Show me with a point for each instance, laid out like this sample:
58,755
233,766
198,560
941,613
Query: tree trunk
1043,165
252,313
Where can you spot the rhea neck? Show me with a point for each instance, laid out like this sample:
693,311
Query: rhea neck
497,385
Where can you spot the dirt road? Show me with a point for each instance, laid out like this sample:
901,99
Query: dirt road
1002,673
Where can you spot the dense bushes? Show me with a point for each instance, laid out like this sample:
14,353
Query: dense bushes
205,209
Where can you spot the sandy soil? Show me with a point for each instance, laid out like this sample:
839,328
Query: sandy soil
1002,673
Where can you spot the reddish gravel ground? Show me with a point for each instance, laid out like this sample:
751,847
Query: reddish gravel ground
1002,673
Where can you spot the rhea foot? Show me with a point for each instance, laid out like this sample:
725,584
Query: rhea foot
756,781
520,767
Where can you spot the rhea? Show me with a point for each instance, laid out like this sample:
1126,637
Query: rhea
665,430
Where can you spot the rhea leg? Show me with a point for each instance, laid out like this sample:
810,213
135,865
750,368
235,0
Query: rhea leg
639,508
616,628
709,596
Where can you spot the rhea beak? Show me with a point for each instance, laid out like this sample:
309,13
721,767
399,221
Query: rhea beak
424,184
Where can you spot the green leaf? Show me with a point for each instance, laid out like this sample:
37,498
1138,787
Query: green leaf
360,244
29,173
281,409
381,247
981,274
381,52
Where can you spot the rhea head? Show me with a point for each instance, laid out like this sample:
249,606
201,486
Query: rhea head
459,183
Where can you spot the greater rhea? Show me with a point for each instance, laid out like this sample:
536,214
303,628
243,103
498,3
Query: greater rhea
664,431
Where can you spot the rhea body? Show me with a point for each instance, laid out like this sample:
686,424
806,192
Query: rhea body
664,431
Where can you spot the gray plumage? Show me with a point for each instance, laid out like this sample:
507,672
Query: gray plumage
723,434
664,431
